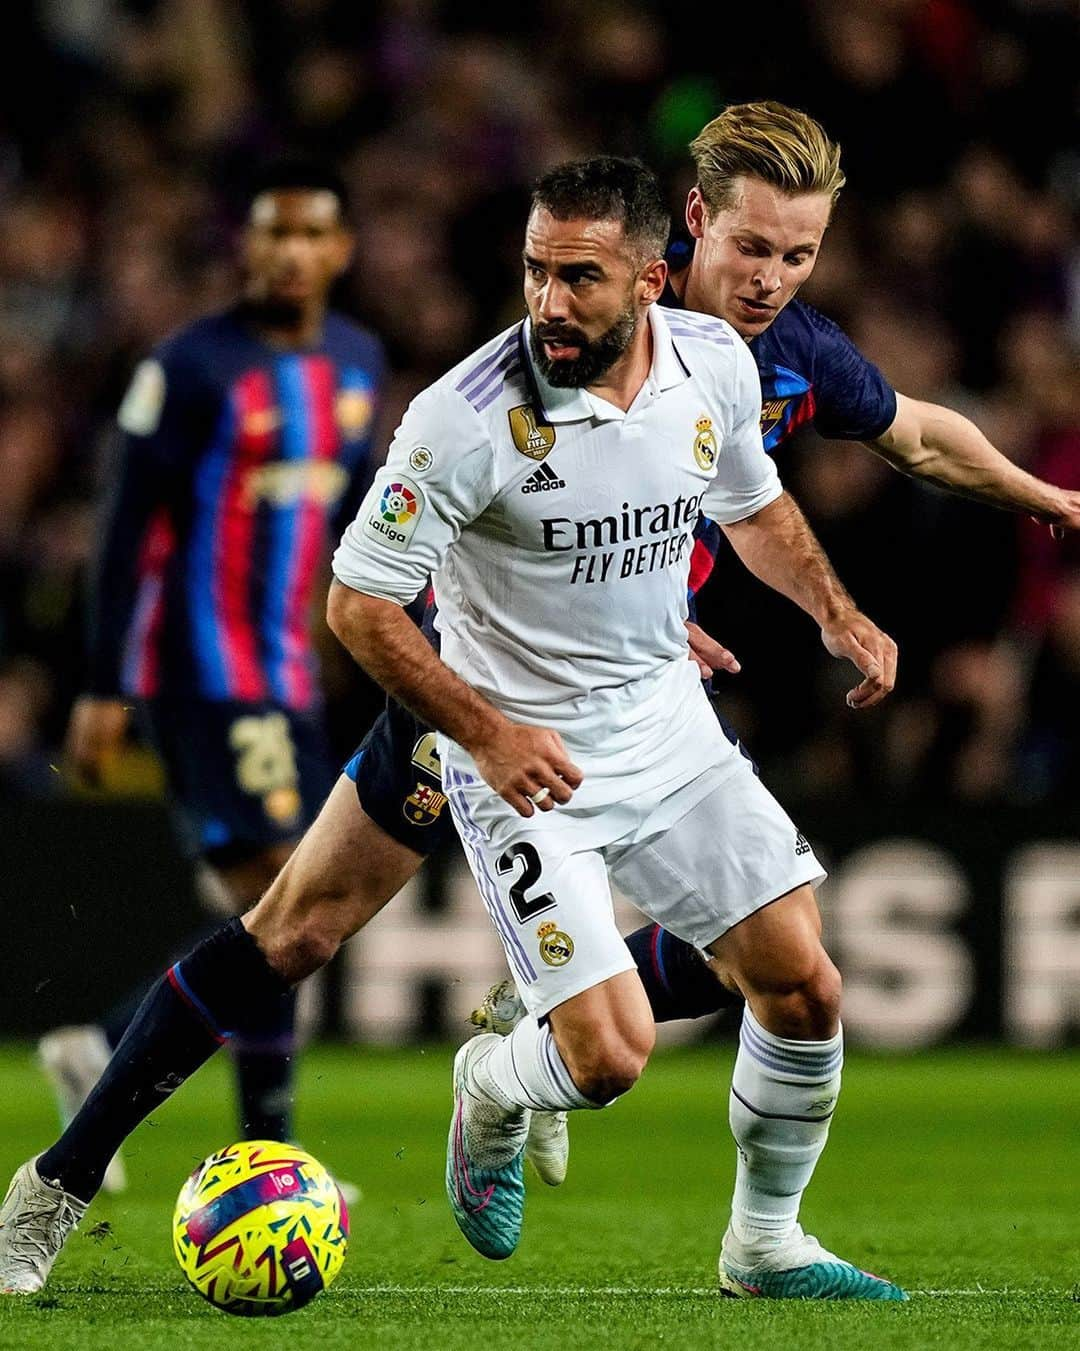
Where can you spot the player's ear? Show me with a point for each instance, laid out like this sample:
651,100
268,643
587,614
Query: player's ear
652,280
696,212
346,248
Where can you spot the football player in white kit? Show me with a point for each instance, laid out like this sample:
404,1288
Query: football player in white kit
550,484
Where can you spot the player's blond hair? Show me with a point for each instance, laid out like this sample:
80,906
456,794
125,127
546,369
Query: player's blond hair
781,145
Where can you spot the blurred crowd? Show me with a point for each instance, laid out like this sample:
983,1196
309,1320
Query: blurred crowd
127,128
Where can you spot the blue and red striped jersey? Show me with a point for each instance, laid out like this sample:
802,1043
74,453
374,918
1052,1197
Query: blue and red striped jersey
811,372
239,463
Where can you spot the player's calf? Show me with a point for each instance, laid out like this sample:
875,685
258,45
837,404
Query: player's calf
606,1066
605,1036
344,871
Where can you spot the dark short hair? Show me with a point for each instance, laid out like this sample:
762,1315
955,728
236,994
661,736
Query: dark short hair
608,187
301,174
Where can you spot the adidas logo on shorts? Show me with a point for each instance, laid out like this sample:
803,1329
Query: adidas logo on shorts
544,480
802,845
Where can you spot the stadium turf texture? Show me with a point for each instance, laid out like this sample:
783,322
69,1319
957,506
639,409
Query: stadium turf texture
955,1173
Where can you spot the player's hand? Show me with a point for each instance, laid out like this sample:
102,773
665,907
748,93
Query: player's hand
708,653
520,762
95,734
1064,515
859,639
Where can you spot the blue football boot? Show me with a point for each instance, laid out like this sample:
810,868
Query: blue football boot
797,1267
485,1156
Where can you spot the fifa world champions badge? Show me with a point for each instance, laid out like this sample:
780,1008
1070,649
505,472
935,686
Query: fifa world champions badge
531,437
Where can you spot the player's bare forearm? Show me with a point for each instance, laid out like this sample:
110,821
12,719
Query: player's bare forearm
778,546
382,639
527,766
942,446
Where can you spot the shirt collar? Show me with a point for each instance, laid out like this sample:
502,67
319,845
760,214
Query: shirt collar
576,405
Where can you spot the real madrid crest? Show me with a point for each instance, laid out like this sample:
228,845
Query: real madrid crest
705,448
556,947
531,438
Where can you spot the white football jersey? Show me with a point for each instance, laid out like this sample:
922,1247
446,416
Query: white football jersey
558,528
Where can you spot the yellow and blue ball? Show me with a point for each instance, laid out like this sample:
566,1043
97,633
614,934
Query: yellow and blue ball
260,1228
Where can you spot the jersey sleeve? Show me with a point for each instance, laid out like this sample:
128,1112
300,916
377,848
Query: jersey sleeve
152,443
853,400
746,479
438,477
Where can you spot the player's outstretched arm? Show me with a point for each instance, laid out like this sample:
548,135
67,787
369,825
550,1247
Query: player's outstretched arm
938,444
777,545
518,761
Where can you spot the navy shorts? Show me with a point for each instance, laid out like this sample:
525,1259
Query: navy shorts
398,781
242,776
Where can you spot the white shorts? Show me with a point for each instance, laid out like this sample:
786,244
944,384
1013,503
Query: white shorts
696,859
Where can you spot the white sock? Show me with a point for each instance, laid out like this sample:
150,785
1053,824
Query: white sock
526,1070
783,1094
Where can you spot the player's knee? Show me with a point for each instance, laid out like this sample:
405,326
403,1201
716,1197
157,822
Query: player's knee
609,1064
806,1006
297,940
309,949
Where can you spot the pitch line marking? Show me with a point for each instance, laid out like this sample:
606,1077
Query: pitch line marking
627,1291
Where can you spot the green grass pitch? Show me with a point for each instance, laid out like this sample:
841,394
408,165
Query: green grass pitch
954,1172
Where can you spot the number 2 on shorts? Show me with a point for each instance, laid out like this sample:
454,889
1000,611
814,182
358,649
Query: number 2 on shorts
523,907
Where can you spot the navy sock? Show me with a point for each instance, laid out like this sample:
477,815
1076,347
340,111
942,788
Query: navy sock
199,1003
116,1020
264,1070
677,979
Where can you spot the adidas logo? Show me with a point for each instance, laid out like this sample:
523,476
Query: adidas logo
544,480
802,845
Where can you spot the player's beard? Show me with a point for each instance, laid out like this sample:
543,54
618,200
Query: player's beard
596,357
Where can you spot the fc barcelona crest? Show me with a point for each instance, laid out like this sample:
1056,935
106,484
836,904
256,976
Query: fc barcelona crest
705,449
424,805
532,438
772,414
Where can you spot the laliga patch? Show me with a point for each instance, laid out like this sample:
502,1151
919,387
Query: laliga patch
556,947
393,518
140,412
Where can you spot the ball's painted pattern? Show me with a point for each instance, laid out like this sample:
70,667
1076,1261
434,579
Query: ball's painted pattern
260,1228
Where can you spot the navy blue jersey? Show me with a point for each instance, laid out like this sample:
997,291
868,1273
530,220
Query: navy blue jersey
239,463
810,372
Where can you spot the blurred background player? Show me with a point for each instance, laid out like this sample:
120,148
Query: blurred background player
244,447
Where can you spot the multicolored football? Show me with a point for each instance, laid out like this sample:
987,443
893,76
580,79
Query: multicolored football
260,1228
